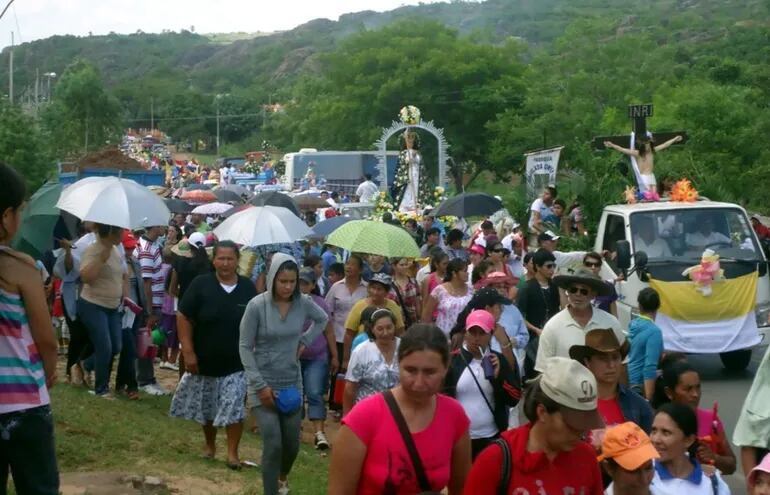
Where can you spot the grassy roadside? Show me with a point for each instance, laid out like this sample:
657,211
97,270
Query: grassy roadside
94,434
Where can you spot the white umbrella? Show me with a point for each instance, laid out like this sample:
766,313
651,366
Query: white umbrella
114,201
262,225
212,208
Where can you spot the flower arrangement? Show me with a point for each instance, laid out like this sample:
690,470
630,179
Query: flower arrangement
630,195
253,167
382,204
410,115
439,194
683,192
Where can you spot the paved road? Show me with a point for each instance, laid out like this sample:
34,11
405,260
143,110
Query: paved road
730,390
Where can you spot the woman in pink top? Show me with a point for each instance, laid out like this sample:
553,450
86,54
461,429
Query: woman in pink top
448,299
370,457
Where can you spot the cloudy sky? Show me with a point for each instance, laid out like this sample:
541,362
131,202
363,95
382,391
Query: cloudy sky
35,19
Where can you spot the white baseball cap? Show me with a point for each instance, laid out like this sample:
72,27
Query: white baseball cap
572,386
197,239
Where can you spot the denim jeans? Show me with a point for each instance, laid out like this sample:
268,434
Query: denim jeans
104,328
27,451
315,378
126,375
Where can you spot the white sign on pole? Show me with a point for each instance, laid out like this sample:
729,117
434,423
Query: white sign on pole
541,170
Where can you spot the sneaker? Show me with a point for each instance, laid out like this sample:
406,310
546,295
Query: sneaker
153,389
321,442
283,487
165,366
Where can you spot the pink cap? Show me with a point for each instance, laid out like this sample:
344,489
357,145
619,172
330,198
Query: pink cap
480,318
763,466
478,249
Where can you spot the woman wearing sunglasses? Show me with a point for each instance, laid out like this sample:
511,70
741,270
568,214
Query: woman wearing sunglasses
570,326
593,261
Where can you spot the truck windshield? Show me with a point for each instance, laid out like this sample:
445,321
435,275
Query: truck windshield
685,234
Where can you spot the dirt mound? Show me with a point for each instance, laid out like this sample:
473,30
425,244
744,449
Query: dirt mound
111,483
109,157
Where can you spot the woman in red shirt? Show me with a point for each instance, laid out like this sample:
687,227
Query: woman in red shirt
548,455
370,456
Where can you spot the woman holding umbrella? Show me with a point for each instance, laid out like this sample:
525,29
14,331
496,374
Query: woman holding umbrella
102,272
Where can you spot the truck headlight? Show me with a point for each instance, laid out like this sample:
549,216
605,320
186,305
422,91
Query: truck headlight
763,314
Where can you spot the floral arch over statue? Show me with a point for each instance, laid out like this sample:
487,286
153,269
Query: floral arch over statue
414,188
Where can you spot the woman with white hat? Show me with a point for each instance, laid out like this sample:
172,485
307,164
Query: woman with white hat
547,455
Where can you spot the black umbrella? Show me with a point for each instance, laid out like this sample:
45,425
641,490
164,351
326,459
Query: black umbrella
197,187
323,229
468,205
275,198
177,205
226,196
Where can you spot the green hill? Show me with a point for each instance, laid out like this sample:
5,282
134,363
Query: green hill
500,76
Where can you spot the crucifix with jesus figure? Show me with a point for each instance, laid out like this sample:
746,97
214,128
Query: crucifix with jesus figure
640,146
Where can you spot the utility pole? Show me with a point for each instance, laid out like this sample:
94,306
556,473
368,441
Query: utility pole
37,90
217,125
10,73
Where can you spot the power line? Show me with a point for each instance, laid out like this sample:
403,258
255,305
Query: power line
6,8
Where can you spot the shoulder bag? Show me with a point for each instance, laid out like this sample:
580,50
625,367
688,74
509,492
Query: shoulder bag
406,436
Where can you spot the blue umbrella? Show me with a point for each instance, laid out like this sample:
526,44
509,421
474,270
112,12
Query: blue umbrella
323,229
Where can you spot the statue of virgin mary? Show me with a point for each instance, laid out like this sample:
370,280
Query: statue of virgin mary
411,185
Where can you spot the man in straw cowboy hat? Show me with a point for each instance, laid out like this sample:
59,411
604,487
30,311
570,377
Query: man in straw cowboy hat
570,326
603,355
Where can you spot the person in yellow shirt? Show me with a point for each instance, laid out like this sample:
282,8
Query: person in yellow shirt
378,288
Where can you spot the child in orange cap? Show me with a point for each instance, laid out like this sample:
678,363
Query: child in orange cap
627,455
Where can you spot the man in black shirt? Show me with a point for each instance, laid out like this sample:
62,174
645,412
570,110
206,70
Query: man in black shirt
538,301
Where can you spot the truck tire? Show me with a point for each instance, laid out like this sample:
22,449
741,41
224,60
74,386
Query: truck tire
736,360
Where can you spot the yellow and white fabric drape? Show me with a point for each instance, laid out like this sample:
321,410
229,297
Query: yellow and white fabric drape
721,322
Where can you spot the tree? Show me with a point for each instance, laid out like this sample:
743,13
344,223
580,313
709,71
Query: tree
83,115
458,84
21,146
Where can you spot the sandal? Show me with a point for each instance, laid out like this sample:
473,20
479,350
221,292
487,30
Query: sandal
132,394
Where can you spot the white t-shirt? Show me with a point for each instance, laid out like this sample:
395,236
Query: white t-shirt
562,332
611,490
697,483
538,206
482,419
656,249
367,367
367,191
698,240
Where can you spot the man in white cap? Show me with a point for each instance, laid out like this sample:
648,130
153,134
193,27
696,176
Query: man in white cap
547,455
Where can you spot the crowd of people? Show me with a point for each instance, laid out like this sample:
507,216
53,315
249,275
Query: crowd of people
486,370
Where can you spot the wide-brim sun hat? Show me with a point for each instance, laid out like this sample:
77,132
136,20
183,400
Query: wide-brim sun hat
583,276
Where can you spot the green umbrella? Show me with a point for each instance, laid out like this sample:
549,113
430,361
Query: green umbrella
370,237
35,236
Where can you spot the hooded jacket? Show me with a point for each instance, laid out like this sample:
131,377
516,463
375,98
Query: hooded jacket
268,343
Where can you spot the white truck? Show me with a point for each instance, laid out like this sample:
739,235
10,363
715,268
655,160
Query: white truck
655,242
